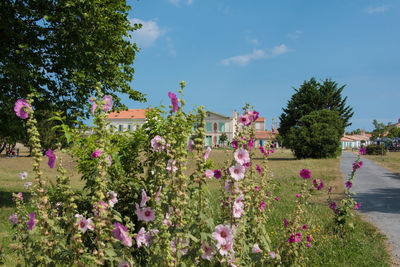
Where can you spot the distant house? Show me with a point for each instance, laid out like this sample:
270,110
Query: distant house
355,140
216,125
126,120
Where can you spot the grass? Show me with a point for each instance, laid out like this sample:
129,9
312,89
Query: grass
361,247
390,161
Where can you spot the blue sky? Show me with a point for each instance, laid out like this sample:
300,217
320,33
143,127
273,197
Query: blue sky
232,52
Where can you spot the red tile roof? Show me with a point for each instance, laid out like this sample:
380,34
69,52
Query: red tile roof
264,135
128,114
260,119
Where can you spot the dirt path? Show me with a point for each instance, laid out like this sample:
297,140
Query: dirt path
379,192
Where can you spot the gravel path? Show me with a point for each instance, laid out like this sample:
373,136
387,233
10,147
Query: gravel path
379,192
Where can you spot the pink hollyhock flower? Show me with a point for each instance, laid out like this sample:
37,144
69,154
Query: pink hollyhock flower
309,239
348,184
108,102
27,184
83,223
190,145
285,223
225,247
158,143
320,186
251,143
157,196
357,165
124,263
297,237
207,153
332,206
258,168
171,166
22,108
144,199
242,156
217,174
209,173
146,215
93,108
362,151
19,196
109,160
52,158
113,198
209,251
227,186
277,199
304,227
13,219
235,144
357,206
96,153
330,189
298,195
246,165
237,171
237,211
31,223
223,234
244,120
305,174
23,175
262,149
121,233
262,205
142,238
272,254
174,101
257,188
256,249
255,115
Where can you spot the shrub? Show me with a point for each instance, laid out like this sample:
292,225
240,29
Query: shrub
374,149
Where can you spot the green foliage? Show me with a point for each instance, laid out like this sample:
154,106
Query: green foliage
380,129
223,138
310,97
394,132
374,149
317,135
61,50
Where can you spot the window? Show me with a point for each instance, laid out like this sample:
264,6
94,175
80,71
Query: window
208,127
208,141
120,127
129,127
221,127
259,126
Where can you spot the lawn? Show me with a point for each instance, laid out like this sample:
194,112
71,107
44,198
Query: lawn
361,247
390,161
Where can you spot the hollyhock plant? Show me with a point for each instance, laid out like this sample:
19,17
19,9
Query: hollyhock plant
357,165
124,263
262,205
52,158
348,184
158,143
209,251
83,223
171,166
251,143
113,198
174,101
285,223
305,174
235,144
244,120
237,171
157,196
23,175
32,222
209,173
217,174
362,151
258,168
121,233
96,154
223,234
144,199
19,196
108,102
22,108
225,248
207,153
13,219
146,214
100,208
332,206
242,156
256,249
142,237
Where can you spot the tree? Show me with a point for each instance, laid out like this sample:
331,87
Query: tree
317,135
310,97
60,50
380,129
223,138
394,132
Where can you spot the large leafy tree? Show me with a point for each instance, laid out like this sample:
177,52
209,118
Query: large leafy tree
380,129
310,97
60,49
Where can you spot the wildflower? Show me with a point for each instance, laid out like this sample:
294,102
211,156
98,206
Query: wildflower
298,195
109,102
171,166
52,158
330,189
209,251
304,227
244,120
224,248
157,196
257,188
357,206
258,168
113,198
256,249
305,174
174,101
237,171
362,151
242,156
217,174
31,223
277,199
144,199
124,263
348,184
190,145
222,234
121,233
22,108
96,153
158,143
285,223
209,173
23,175
13,219
333,206
27,184
93,108
262,205
207,153
235,144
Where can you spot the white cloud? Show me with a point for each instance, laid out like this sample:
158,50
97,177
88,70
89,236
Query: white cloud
148,34
257,54
177,2
253,41
295,35
378,9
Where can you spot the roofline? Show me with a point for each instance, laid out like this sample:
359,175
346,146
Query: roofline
227,117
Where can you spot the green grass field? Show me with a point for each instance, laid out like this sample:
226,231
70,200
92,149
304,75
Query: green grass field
364,246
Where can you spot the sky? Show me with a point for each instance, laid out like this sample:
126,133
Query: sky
257,51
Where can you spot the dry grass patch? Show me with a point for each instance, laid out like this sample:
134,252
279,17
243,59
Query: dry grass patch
390,161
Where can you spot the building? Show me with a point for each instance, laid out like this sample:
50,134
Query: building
216,125
355,140
126,120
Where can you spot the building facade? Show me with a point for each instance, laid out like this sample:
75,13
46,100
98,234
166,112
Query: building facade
126,120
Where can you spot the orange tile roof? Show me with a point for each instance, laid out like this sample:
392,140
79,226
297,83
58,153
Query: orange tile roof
346,139
128,114
263,134
260,119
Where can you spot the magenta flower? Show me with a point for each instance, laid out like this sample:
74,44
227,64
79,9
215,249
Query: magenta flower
31,223
235,144
52,158
158,143
209,173
13,219
121,233
255,115
348,184
309,239
291,239
242,156
332,206
285,223
262,205
19,196
277,199
297,237
237,171
207,153
362,151
23,175
244,120
190,145
257,188
157,196
251,143
144,199
174,101
209,251
217,174
305,174
298,195
108,102
357,165
304,227
258,168
112,198
320,186
96,153
256,249
22,108
357,206
330,189
262,149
